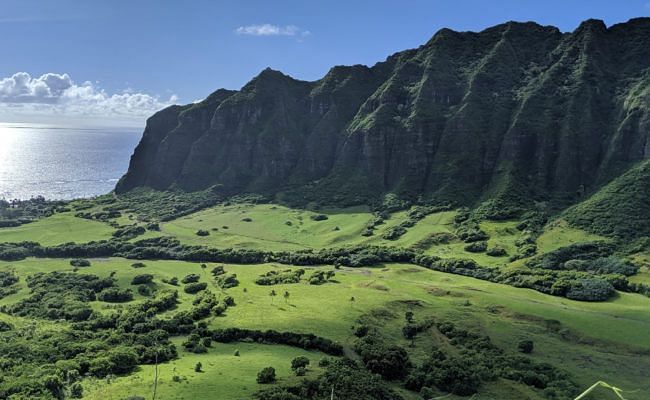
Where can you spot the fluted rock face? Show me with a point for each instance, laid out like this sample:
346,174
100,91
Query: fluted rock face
518,111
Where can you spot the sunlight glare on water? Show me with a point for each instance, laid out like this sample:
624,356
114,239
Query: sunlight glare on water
62,163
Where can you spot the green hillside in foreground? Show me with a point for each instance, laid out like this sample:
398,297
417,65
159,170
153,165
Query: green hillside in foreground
105,321
612,336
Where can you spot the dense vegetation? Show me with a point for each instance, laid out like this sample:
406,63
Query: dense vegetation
18,212
564,272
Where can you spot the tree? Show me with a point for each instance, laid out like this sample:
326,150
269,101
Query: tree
410,331
272,293
198,367
526,346
352,300
409,317
286,296
142,279
299,362
267,375
80,262
76,391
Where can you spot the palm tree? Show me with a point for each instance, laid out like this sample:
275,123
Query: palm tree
272,294
286,296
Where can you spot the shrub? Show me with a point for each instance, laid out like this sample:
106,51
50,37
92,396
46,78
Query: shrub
115,295
603,265
299,362
80,262
302,340
247,219
138,265
142,279
361,331
590,290
198,367
497,251
300,371
394,233
191,278
144,290
129,232
227,281
218,309
192,288
202,232
391,362
266,375
319,217
274,277
218,270
76,390
321,277
5,326
7,278
472,235
526,346
477,247
171,281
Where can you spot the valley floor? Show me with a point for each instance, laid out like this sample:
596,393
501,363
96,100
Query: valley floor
592,341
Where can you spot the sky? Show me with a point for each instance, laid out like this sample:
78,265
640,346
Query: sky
115,62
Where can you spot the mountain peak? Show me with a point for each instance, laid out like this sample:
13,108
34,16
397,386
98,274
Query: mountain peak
477,115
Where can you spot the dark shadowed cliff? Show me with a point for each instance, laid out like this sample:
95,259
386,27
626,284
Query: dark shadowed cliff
515,114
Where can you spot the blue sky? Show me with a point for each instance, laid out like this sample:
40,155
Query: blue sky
140,55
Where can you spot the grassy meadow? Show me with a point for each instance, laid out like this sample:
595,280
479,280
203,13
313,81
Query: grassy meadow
58,229
592,341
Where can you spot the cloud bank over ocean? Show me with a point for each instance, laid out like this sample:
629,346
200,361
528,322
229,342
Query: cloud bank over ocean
51,97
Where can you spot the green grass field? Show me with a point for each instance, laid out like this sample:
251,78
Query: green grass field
559,234
224,375
598,340
592,341
58,229
274,227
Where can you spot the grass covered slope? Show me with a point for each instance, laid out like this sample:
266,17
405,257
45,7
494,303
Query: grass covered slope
611,336
102,319
224,375
620,209
278,228
57,229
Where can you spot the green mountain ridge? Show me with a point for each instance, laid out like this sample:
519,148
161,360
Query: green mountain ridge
515,116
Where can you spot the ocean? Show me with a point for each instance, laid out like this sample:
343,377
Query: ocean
62,163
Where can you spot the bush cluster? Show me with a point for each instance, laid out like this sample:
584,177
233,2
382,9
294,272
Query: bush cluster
275,277
129,232
476,360
321,277
305,341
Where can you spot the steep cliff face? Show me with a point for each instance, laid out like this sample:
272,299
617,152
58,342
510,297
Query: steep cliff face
515,113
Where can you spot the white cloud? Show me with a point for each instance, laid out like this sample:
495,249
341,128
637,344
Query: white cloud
56,96
271,30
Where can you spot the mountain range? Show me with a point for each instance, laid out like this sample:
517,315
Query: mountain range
515,117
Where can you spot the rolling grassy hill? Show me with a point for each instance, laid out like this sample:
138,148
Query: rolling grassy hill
590,341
